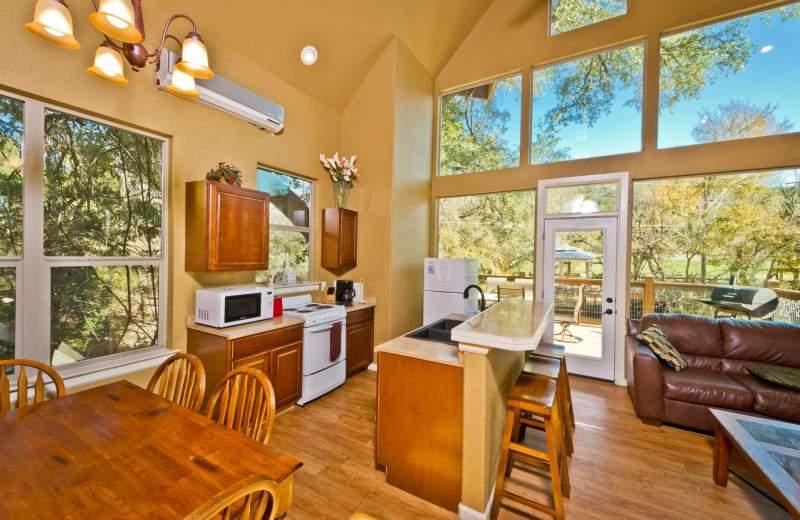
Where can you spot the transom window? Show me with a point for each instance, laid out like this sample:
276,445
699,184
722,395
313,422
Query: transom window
289,222
567,15
88,261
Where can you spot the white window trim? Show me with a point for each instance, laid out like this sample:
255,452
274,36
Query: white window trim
32,340
299,229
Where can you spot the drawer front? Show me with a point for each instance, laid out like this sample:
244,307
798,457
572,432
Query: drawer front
267,341
359,316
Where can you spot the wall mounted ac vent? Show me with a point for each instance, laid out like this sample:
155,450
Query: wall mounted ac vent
226,96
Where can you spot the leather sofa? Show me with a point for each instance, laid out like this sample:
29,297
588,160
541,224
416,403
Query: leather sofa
717,351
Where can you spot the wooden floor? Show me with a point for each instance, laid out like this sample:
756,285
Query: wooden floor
621,468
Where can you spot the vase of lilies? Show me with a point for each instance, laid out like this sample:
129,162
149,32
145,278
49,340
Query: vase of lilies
343,172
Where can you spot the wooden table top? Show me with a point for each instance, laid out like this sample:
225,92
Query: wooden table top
119,451
772,446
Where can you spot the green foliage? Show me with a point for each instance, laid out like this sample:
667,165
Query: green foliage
227,173
567,15
10,177
739,120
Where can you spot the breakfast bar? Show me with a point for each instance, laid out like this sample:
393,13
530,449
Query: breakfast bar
473,371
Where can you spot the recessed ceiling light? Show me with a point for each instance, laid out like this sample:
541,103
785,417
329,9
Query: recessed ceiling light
308,55
765,49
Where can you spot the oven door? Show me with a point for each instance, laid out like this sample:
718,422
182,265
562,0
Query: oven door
317,348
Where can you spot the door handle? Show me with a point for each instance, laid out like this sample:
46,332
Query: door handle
609,300
320,330
608,311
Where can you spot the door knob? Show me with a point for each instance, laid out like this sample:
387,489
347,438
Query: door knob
608,311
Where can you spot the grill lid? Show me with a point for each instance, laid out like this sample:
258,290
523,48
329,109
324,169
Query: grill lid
750,296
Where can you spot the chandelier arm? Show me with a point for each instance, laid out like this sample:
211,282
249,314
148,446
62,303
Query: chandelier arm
164,35
158,55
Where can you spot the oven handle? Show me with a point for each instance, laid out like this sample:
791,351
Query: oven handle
320,330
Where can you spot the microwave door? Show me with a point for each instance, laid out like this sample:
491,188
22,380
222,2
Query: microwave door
242,307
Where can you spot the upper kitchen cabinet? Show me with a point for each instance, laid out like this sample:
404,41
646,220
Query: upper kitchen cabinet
227,228
339,237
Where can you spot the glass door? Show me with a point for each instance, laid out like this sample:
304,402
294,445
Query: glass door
580,278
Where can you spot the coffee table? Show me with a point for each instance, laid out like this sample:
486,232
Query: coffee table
771,447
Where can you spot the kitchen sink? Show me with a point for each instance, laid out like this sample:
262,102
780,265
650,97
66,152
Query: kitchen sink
438,331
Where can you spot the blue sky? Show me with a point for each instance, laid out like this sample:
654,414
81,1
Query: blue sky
771,76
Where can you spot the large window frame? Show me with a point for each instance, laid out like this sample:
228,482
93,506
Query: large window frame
297,229
33,268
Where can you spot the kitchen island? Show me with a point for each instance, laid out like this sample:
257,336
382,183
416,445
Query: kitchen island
445,402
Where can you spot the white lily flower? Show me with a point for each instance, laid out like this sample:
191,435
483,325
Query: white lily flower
353,159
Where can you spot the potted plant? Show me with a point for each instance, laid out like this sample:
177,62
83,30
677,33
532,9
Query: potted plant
225,173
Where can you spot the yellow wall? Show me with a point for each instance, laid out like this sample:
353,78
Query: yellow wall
199,137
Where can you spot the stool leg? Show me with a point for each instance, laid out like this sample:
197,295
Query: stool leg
561,397
512,420
569,393
517,433
561,454
552,452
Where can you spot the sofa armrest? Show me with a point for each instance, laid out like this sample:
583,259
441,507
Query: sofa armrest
645,383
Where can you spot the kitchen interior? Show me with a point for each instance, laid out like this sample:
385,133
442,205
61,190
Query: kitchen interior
391,370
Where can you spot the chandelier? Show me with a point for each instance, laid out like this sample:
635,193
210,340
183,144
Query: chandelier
122,20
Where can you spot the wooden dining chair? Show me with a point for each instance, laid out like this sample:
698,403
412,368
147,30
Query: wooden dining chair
510,291
245,402
245,500
22,383
182,380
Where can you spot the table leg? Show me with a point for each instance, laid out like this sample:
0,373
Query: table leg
722,455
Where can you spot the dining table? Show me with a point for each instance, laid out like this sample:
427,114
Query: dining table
119,451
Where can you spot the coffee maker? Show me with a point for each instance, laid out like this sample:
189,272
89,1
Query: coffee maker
345,292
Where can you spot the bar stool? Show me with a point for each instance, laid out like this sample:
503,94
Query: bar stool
534,396
551,369
555,351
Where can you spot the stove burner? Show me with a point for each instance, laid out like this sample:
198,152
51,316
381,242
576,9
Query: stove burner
324,306
290,309
303,311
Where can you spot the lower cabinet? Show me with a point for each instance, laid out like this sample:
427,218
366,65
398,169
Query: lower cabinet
360,342
278,353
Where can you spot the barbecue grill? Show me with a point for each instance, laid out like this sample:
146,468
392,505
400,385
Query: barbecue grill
753,302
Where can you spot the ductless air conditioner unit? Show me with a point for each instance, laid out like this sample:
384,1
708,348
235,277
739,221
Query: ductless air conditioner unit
226,96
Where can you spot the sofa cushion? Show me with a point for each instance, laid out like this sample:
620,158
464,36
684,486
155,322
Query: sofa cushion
659,343
773,343
702,386
785,377
695,335
771,400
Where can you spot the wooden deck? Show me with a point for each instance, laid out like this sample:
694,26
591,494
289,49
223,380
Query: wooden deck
621,469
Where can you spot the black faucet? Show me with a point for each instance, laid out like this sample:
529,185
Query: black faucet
482,305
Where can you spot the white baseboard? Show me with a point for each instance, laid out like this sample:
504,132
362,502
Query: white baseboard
466,513
373,367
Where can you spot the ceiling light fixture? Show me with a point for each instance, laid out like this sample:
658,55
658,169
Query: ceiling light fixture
308,55
122,20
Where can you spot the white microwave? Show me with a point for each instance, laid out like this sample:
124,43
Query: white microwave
228,306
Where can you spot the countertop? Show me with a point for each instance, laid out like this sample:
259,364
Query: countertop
513,324
423,349
248,329
370,302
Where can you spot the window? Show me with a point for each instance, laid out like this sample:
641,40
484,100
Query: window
731,80
692,234
93,243
566,15
497,229
289,223
588,107
586,198
479,127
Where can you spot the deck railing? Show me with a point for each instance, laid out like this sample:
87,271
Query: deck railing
646,296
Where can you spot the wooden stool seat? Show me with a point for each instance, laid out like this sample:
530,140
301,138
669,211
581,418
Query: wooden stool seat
535,396
552,350
551,369
556,351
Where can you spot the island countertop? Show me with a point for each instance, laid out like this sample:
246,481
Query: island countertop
512,324
424,349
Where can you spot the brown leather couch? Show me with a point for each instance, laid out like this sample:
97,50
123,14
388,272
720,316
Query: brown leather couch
717,352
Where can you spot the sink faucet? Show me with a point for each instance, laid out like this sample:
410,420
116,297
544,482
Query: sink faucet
482,304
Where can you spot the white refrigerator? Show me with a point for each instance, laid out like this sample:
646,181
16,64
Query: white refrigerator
445,281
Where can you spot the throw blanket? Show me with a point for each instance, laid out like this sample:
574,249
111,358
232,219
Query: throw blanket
336,341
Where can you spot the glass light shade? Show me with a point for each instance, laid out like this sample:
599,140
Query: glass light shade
194,59
116,19
108,66
308,55
53,24
182,84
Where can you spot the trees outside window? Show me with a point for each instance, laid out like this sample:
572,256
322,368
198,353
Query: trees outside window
289,222
97,253
568,15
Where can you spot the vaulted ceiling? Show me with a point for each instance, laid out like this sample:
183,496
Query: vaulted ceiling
349,35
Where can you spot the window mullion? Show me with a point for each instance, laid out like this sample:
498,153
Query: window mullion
33,337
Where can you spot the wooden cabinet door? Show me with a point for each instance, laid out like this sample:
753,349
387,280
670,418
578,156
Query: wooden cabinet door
359,346
261,361
238,228
287,373
348,238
